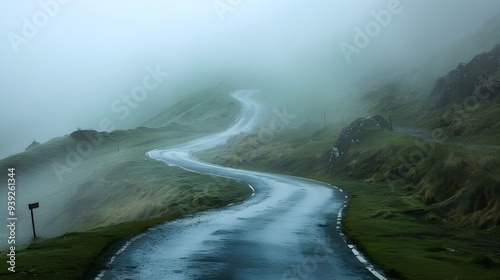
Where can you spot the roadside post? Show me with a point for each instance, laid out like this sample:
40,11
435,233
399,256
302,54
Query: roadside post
32,206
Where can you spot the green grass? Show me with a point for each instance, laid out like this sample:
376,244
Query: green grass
402,227
395,223
116,181
462,122
474,125
109,186
70,256
115,190
400,102
395,234
209,110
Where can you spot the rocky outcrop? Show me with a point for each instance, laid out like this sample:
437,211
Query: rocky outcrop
477,79
376,121
353,134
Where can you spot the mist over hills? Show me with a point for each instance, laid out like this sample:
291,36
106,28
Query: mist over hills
89,179
462,51
425,192
78,69
421,189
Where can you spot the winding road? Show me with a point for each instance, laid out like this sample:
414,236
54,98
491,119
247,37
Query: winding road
288,229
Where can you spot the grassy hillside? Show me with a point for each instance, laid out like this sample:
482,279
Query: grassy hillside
96,180
405,223
74,256
424,206
463,103
208,110
397,100
106,179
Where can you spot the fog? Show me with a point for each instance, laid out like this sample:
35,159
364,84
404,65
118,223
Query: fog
66,64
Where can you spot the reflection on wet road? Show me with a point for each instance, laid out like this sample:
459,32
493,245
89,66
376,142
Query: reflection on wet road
279,233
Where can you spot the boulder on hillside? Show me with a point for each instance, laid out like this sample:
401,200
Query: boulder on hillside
478,78
352,134
376,121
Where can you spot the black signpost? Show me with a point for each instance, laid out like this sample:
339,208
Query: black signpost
31,207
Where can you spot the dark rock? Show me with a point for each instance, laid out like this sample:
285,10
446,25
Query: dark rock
353,133
371,122
471,79
84,134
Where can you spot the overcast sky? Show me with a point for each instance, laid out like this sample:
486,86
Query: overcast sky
66,64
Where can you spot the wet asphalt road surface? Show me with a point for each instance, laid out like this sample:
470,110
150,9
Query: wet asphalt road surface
279,233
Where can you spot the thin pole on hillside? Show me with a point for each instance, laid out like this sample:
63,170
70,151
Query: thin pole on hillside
324,116
390,122
32,206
